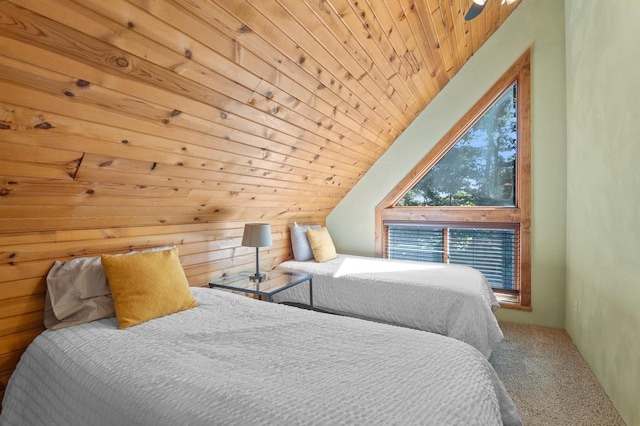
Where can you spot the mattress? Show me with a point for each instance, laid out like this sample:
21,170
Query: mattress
234,360
452,300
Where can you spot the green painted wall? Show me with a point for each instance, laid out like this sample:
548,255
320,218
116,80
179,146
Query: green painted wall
603,205
538,24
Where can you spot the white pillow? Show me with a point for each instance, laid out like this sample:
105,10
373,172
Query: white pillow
300,242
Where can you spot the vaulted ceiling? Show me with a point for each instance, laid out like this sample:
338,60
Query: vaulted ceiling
128,114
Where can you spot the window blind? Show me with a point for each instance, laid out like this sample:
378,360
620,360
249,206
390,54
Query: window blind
492,251
421,243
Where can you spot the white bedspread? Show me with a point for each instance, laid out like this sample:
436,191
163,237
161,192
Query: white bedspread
453,300
233,360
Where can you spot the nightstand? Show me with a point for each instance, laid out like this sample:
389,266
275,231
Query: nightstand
275,282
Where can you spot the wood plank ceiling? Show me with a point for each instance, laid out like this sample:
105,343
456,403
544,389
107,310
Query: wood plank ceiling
212,104
132,123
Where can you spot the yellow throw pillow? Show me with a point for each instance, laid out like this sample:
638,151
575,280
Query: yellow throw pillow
147,286
321,244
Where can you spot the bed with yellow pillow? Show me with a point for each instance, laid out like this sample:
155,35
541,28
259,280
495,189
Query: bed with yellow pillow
168,354
452,300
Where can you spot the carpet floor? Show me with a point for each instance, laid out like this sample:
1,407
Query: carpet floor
548,379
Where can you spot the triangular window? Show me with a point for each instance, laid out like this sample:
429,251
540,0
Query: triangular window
480,168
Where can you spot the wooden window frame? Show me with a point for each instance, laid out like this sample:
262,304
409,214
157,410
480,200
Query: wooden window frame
386,211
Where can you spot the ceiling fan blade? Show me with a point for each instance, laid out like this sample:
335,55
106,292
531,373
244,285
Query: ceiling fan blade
474,11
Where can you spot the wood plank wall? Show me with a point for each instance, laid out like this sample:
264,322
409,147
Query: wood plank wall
127,124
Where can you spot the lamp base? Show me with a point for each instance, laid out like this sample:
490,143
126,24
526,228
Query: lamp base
258,277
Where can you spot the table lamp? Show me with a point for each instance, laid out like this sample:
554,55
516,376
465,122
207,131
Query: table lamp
257,235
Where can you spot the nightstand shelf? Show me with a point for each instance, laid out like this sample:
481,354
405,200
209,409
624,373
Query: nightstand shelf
274,283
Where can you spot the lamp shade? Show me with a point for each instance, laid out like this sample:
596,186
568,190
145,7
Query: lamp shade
257,235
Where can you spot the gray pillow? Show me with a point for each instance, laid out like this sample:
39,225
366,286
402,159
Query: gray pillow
300,243
78,292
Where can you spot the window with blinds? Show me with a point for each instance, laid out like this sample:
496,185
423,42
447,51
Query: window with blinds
491,251
468,201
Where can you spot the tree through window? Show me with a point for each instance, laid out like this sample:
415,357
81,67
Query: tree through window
480,169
